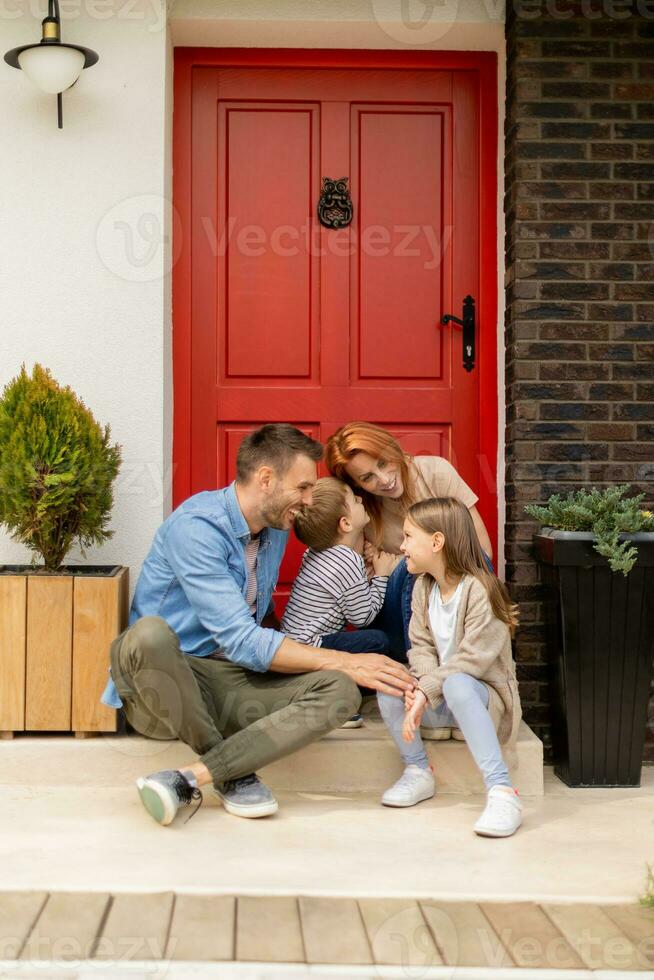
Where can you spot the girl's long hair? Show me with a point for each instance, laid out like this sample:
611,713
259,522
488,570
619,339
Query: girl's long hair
364,437
462,552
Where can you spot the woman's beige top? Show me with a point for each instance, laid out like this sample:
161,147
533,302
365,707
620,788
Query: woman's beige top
432,476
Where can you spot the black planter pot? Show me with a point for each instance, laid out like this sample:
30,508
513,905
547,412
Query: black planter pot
601,649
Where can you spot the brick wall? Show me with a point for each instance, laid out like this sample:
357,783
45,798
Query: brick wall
579,203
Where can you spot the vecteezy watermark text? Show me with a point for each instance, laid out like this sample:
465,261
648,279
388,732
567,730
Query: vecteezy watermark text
151,12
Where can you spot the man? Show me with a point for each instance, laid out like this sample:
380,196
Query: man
203,659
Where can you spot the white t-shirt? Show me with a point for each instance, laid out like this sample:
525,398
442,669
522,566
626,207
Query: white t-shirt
442,619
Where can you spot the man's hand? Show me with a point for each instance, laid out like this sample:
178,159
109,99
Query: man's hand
378,672
413,716
368,669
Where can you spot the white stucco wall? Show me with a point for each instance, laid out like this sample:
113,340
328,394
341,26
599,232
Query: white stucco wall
84,245
74,297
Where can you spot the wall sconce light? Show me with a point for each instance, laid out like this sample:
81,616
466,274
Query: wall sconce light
51,65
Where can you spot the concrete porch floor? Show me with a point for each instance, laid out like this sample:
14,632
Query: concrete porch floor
76,831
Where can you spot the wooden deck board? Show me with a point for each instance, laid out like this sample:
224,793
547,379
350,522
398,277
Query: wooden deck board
333,931
136,927
530,936
268,929
202,928
402,932
464,935
637,924
67,927
398,933
596,938
19,912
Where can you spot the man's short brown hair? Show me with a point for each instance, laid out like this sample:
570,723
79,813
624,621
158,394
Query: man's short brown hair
275,445
317,525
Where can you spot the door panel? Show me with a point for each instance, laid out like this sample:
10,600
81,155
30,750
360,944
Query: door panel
396,274
267,181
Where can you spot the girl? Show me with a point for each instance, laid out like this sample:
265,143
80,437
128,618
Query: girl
461,627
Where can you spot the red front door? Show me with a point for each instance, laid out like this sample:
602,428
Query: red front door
278,318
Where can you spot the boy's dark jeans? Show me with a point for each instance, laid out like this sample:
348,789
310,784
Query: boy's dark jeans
236,720
358,641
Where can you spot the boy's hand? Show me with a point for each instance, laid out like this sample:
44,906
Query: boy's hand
369,551
383,563
414,715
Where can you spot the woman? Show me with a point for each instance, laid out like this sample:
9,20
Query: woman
389,480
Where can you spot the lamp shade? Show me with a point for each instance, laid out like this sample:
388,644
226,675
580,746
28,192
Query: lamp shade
52,67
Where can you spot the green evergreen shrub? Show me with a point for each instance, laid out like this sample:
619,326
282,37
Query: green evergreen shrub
607,513
57,468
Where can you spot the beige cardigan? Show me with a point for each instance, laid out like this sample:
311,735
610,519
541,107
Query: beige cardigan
483,650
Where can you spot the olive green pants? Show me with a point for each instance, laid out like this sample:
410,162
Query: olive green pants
235,719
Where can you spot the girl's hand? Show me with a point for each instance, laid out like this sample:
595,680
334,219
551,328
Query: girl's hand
413,716
409,698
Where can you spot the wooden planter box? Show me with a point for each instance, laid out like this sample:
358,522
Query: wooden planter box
55,632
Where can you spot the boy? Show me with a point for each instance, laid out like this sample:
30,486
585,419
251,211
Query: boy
332,588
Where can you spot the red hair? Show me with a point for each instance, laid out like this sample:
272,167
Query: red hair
364,437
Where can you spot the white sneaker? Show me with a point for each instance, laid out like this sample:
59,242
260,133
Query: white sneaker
435,734
502,814
413,786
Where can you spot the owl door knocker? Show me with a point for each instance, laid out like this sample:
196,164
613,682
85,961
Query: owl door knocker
335,204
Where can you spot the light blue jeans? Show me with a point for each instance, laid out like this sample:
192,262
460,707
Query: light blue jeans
465,706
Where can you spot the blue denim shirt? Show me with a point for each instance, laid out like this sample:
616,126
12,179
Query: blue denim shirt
195,577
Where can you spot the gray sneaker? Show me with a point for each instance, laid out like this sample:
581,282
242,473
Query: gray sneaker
164,793
356,721
247,797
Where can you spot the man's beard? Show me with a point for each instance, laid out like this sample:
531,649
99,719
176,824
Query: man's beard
274,514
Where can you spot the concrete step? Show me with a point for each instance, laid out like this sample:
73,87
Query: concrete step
356,760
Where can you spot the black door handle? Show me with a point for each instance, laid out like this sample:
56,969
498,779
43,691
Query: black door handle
468,325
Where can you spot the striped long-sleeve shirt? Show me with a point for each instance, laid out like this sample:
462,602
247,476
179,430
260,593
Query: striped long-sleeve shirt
331,590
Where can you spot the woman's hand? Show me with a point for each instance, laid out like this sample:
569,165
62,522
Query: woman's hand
414,714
